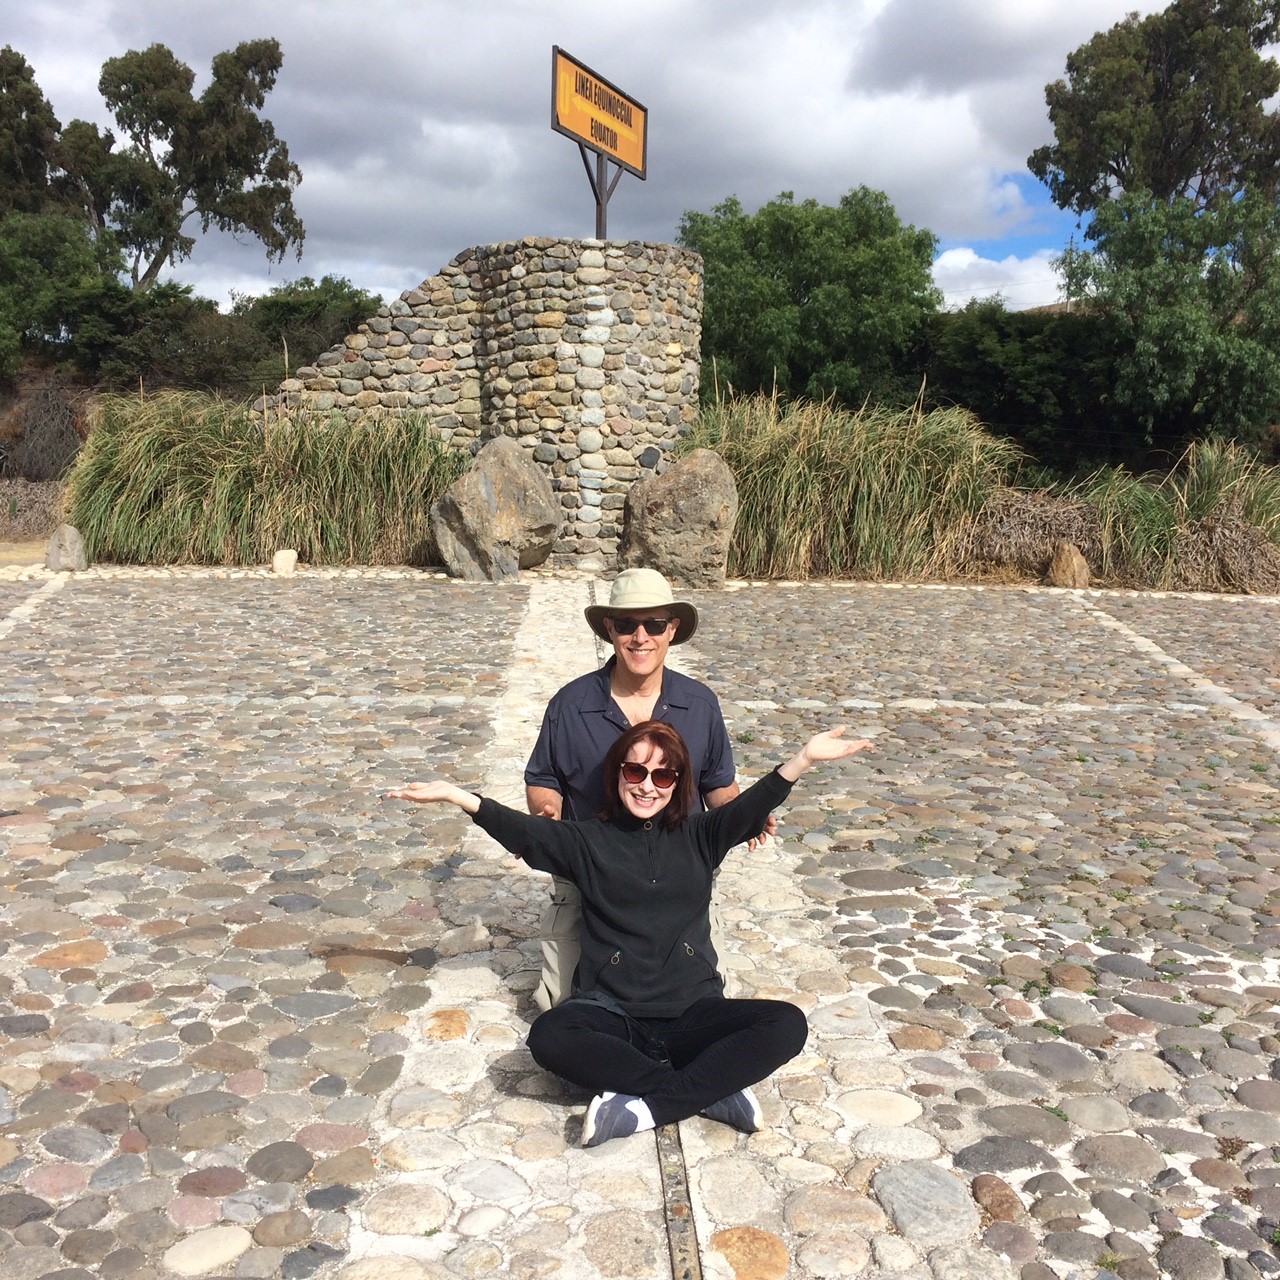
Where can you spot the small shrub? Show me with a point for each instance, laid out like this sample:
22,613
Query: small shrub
29,512
1211,524
43,430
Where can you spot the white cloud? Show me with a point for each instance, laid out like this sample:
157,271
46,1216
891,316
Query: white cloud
427,131
963,274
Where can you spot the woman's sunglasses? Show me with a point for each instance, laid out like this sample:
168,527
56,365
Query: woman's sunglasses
663,779
654,626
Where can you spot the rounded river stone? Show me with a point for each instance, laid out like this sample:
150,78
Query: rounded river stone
1118,1156
280,1162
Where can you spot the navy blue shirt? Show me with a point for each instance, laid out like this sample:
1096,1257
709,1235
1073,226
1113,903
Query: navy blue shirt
582,722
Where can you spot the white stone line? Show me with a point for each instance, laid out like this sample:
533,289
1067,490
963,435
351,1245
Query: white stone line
315,701
223,573
962,704
319,573
1024,588
1262,726
553,644
688,664
26,610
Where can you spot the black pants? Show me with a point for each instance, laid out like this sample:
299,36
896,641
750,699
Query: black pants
677,1065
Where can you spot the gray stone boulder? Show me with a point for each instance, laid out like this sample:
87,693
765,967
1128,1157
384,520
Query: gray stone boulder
681,522
499,518
66,550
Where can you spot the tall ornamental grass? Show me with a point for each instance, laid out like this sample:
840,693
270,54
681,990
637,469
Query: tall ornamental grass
876,493
183,478
1211,524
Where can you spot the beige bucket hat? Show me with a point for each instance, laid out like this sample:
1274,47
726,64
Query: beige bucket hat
635,590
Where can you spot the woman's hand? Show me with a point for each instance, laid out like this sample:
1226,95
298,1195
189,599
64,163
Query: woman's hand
828,745
832,745
437,791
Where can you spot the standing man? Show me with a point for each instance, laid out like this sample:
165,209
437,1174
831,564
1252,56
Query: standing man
565,774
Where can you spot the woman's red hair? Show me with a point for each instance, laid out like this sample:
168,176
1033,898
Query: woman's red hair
662,737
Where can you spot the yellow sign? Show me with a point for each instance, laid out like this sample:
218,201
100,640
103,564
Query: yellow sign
595,113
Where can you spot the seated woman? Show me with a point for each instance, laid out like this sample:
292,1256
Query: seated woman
648,1028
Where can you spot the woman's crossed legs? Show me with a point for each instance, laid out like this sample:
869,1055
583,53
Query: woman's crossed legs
677,1066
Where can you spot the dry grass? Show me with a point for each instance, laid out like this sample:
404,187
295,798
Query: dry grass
1017,529
29,510
1222,552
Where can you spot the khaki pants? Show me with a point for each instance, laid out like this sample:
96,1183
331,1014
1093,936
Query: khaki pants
562,946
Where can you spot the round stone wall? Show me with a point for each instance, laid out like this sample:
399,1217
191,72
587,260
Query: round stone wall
585,351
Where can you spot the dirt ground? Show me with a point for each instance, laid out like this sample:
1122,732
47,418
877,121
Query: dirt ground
22,552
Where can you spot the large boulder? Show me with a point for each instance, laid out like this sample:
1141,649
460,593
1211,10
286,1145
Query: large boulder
681,522
499,518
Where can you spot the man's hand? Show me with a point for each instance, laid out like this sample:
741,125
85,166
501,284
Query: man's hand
543,802
770,829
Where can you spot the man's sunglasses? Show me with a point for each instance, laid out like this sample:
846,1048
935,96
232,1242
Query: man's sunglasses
663,779
654,626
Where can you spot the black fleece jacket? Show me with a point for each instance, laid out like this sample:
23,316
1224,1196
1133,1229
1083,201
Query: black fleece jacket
646,891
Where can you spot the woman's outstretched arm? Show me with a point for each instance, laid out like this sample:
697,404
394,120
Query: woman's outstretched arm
722,828
544,844
437,792
828,745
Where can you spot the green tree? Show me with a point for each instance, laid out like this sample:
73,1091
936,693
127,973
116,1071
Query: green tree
168,337
212,159
300,319
1165,142
812,299
53,278
1194,297
78,213
1042,377
293,324
28,138
1174,104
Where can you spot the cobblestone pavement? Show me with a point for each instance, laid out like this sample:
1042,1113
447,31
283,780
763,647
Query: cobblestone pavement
257,1021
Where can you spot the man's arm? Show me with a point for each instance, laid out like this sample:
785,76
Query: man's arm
543,802
720,795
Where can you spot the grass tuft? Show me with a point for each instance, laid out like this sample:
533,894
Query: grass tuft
1210,524
877,493
184,478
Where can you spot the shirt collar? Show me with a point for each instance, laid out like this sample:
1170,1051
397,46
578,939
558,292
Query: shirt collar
669,695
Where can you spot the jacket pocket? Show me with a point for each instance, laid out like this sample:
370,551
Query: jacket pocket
692,964
606,974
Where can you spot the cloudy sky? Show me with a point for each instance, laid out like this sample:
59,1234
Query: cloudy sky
424,128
